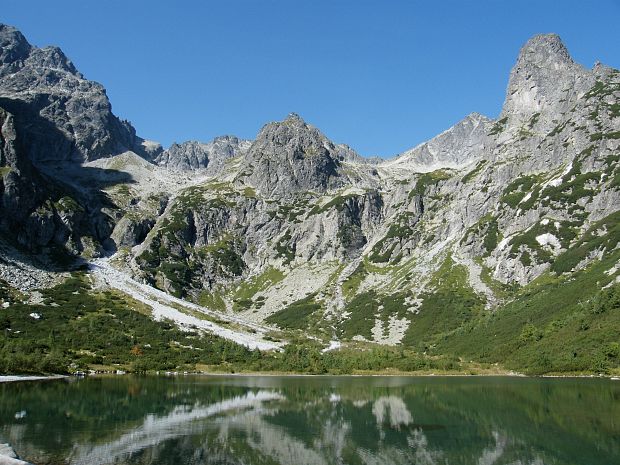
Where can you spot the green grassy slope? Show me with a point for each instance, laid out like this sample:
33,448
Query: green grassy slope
565,323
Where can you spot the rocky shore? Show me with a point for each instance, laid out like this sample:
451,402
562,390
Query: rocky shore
9,457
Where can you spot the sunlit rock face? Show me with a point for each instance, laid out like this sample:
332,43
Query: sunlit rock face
210,156
545,80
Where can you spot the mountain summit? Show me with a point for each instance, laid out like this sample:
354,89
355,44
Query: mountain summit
291,156
545,82
545,51
72,116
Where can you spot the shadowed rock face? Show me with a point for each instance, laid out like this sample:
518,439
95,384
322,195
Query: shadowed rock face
44,82
37,212
23,189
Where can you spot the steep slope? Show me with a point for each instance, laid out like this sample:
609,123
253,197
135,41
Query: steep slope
458,147
53,119
75,116
43,216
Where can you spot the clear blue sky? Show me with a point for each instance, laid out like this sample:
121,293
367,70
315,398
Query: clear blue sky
381,76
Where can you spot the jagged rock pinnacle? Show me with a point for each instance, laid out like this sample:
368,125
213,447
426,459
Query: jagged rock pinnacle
290,156
544,50
193,155
294,118
544,80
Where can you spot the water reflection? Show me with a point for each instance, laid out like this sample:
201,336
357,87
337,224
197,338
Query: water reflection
182,421
313,421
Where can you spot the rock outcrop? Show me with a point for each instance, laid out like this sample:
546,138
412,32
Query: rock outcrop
291,156
210,156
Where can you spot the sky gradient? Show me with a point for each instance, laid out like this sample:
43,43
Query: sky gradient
381,76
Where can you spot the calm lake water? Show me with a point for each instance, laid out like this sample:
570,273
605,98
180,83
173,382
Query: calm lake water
313,420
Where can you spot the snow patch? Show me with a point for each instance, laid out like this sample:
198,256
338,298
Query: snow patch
555,182
333,345
613,269
526,198
548,239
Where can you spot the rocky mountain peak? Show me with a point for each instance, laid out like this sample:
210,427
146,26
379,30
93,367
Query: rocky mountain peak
457,147
291,155
15,51
295,133
13,47
53,58
545,82
544,50
294,119
291,138
52,101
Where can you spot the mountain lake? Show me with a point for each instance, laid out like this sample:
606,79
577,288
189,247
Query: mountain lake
298,420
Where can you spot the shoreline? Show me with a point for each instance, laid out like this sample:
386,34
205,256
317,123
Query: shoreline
16,378
390,375
510,374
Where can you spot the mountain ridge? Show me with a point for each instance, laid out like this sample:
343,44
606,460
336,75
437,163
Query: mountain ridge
294,231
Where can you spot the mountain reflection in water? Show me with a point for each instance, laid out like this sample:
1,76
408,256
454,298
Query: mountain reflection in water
314,421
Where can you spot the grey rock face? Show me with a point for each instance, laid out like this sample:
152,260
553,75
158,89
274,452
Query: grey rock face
14,49
37,212
211,156
20,192
8,139
460,146
75,120
289,157
544,82
129,231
